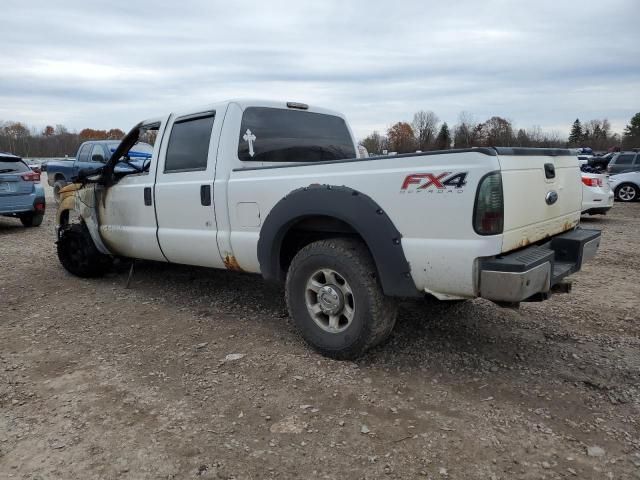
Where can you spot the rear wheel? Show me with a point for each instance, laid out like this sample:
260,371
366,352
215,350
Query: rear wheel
59,184
335,299
32,219
78,254
627,192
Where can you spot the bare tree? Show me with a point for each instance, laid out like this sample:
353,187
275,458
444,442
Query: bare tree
463,132
425,129
374,143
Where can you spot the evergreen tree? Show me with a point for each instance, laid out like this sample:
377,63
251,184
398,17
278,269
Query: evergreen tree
443,140
631,135
576,136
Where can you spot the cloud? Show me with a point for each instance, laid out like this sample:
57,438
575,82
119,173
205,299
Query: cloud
110,65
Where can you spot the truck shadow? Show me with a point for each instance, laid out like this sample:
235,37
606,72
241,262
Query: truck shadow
472,338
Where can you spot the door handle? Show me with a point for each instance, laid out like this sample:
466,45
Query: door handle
147,196
205,195
549,170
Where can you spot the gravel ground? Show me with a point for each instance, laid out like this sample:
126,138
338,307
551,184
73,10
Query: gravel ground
193,373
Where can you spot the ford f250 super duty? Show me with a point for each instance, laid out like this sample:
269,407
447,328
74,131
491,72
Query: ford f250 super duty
277,189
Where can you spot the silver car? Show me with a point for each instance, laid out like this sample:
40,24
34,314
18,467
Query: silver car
626,186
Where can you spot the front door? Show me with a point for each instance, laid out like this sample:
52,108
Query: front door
184,190
127,217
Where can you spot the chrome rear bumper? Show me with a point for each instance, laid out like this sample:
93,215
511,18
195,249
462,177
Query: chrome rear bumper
521,275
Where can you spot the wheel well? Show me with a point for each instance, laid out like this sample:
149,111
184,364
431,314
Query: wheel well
58,176
310,229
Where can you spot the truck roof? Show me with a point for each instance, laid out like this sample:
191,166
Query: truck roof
244,103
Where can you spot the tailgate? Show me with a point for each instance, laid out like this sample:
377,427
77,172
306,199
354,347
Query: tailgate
542,191
12,184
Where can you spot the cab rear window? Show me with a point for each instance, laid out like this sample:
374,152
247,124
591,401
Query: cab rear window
279,135
13,166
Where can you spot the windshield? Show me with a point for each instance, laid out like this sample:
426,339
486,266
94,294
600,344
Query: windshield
13,165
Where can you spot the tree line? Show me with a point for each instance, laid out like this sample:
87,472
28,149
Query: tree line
17,138
425,132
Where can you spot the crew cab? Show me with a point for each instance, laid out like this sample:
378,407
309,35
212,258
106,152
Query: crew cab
90,157
277,189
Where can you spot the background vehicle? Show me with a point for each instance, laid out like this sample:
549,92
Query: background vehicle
600,162
277,189
626,186
91,156
597,196
622,162
21,194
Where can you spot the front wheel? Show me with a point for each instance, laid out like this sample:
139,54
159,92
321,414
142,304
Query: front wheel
627,192
78,254
335,299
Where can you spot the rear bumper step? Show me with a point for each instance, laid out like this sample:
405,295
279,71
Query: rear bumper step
535,270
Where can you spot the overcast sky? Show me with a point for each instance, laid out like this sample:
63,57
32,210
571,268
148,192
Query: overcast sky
110,64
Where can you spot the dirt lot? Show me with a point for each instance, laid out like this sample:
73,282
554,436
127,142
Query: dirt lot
97,381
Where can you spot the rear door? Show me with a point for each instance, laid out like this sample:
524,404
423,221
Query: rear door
542,194
622,163
184,190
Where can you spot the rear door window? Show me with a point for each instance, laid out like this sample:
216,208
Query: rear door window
97,154
12,166
626,159
279,135
188,147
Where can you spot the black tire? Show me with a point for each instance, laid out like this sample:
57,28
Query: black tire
58,184
630,192
78,254
32,219
373,314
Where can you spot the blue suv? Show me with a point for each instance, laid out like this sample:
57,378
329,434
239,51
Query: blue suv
21,194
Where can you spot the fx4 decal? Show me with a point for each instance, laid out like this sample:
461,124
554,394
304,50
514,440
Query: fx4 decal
437,181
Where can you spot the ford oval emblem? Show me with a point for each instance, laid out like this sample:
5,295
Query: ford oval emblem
551,198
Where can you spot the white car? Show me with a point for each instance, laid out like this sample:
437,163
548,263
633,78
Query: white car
626,186
277,189
597,195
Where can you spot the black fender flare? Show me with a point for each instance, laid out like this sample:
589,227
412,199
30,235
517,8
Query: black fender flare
352,207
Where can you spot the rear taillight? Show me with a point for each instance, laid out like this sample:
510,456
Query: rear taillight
488,213
31,177
592,182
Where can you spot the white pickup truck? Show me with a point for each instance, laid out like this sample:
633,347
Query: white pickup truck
277,189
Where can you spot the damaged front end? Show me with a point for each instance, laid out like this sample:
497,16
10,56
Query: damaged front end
79,204
80,200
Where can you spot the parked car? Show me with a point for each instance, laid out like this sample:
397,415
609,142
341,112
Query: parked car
278,189
597,196
91,156
626,186
624,162
21,194
600,162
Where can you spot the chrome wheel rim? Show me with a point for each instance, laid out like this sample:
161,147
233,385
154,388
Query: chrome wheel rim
627,193
330,301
